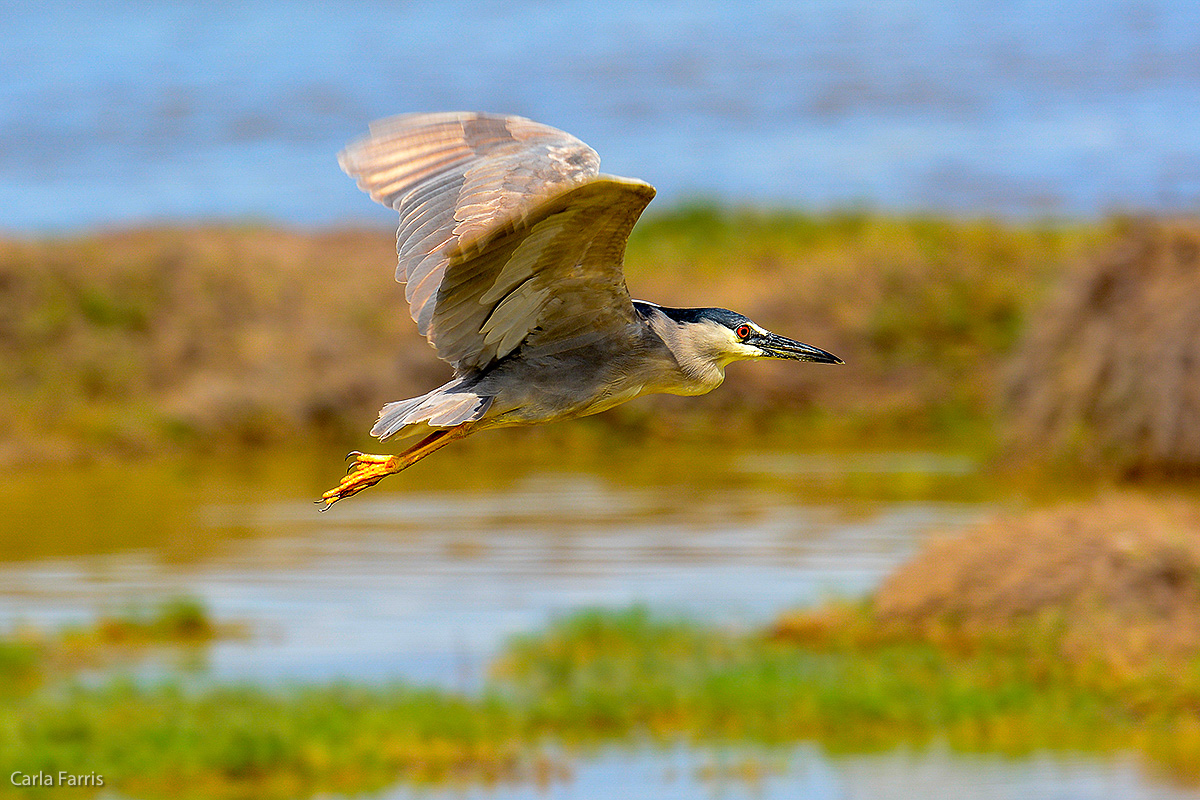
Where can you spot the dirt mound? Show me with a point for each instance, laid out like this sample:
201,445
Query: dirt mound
1120,576
1109,374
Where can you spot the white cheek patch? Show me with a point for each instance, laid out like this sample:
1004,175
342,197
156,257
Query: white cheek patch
737,349
751,351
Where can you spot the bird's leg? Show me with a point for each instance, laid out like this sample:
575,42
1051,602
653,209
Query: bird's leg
368,470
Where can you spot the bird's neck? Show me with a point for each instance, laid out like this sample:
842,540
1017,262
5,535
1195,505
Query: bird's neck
697,373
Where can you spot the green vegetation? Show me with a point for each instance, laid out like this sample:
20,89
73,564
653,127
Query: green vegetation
30,658
20,664
181,620
614,676
163,741
848,688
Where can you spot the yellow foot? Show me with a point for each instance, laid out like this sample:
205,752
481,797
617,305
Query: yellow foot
367,470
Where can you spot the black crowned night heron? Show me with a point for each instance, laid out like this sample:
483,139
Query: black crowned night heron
511,245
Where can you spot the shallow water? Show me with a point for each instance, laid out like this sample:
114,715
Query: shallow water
424,579
116,113
426,582
808,773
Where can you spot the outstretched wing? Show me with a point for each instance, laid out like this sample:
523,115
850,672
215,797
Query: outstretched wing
506,229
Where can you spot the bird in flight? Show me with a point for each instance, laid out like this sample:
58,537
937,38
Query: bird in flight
511,245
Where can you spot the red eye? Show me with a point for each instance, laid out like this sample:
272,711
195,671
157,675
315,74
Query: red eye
743,332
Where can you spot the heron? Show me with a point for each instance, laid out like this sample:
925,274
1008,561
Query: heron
511,247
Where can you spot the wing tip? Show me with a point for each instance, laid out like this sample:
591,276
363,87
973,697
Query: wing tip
636,185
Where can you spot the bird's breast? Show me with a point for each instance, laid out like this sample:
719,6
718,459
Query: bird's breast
615,397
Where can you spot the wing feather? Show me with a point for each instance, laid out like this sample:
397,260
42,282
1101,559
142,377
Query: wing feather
507,234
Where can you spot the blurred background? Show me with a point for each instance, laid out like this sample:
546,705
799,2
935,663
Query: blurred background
986,209
126,113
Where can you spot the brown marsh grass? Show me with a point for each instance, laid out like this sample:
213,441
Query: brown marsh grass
1108,375
146,340
1113,581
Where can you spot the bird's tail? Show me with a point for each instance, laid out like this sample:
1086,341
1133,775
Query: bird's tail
444,407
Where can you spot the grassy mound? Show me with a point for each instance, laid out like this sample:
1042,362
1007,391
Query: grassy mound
1119,577
1111,584
138,341
1109,374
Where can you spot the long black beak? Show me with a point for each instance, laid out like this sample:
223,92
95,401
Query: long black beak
777,346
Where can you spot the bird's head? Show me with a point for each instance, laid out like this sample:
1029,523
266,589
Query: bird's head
710,338
730,336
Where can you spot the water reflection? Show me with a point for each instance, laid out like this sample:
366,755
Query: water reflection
427,586
807,773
